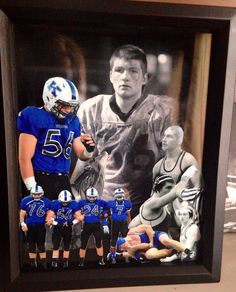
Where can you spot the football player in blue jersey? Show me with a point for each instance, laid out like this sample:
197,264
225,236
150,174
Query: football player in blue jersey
33,210
47,136
93,210
120,218
62,216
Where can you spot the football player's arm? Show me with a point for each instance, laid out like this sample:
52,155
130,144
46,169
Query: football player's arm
50,218
27,145
128,216
84,147
22,216
79,216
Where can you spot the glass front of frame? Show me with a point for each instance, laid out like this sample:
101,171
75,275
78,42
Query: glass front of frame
130,145
152,126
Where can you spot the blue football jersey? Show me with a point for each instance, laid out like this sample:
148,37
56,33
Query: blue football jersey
54,138
92,211
35,209
64,213
119,209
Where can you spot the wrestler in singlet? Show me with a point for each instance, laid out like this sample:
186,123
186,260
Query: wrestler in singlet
176,170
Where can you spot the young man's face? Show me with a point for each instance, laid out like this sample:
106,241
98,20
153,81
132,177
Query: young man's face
166,188
127,78
169,140
184,216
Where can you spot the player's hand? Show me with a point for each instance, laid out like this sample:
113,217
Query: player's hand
105,229
88,142
24,227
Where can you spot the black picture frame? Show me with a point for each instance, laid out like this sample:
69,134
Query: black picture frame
221,23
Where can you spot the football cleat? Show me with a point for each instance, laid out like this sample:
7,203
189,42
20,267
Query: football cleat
54,264
101,262
65,264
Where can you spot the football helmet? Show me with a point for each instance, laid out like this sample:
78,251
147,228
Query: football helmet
58,93
37,192
65,197
119,194
92,194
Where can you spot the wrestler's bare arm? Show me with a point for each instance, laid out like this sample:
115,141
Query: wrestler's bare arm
156,169
143,228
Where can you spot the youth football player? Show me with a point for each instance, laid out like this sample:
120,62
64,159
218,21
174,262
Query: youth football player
61,216
33,211
92,210
119,209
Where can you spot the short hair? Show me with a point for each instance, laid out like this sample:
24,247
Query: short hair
130,52
178,132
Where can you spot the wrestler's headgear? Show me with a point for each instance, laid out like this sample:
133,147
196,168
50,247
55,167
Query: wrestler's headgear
119,242
160,181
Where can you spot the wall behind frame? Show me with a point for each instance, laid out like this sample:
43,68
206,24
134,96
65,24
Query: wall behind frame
220,3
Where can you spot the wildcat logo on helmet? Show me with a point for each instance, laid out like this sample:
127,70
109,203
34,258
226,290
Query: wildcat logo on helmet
60,93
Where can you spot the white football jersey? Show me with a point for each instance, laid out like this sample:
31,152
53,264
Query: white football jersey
133,144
